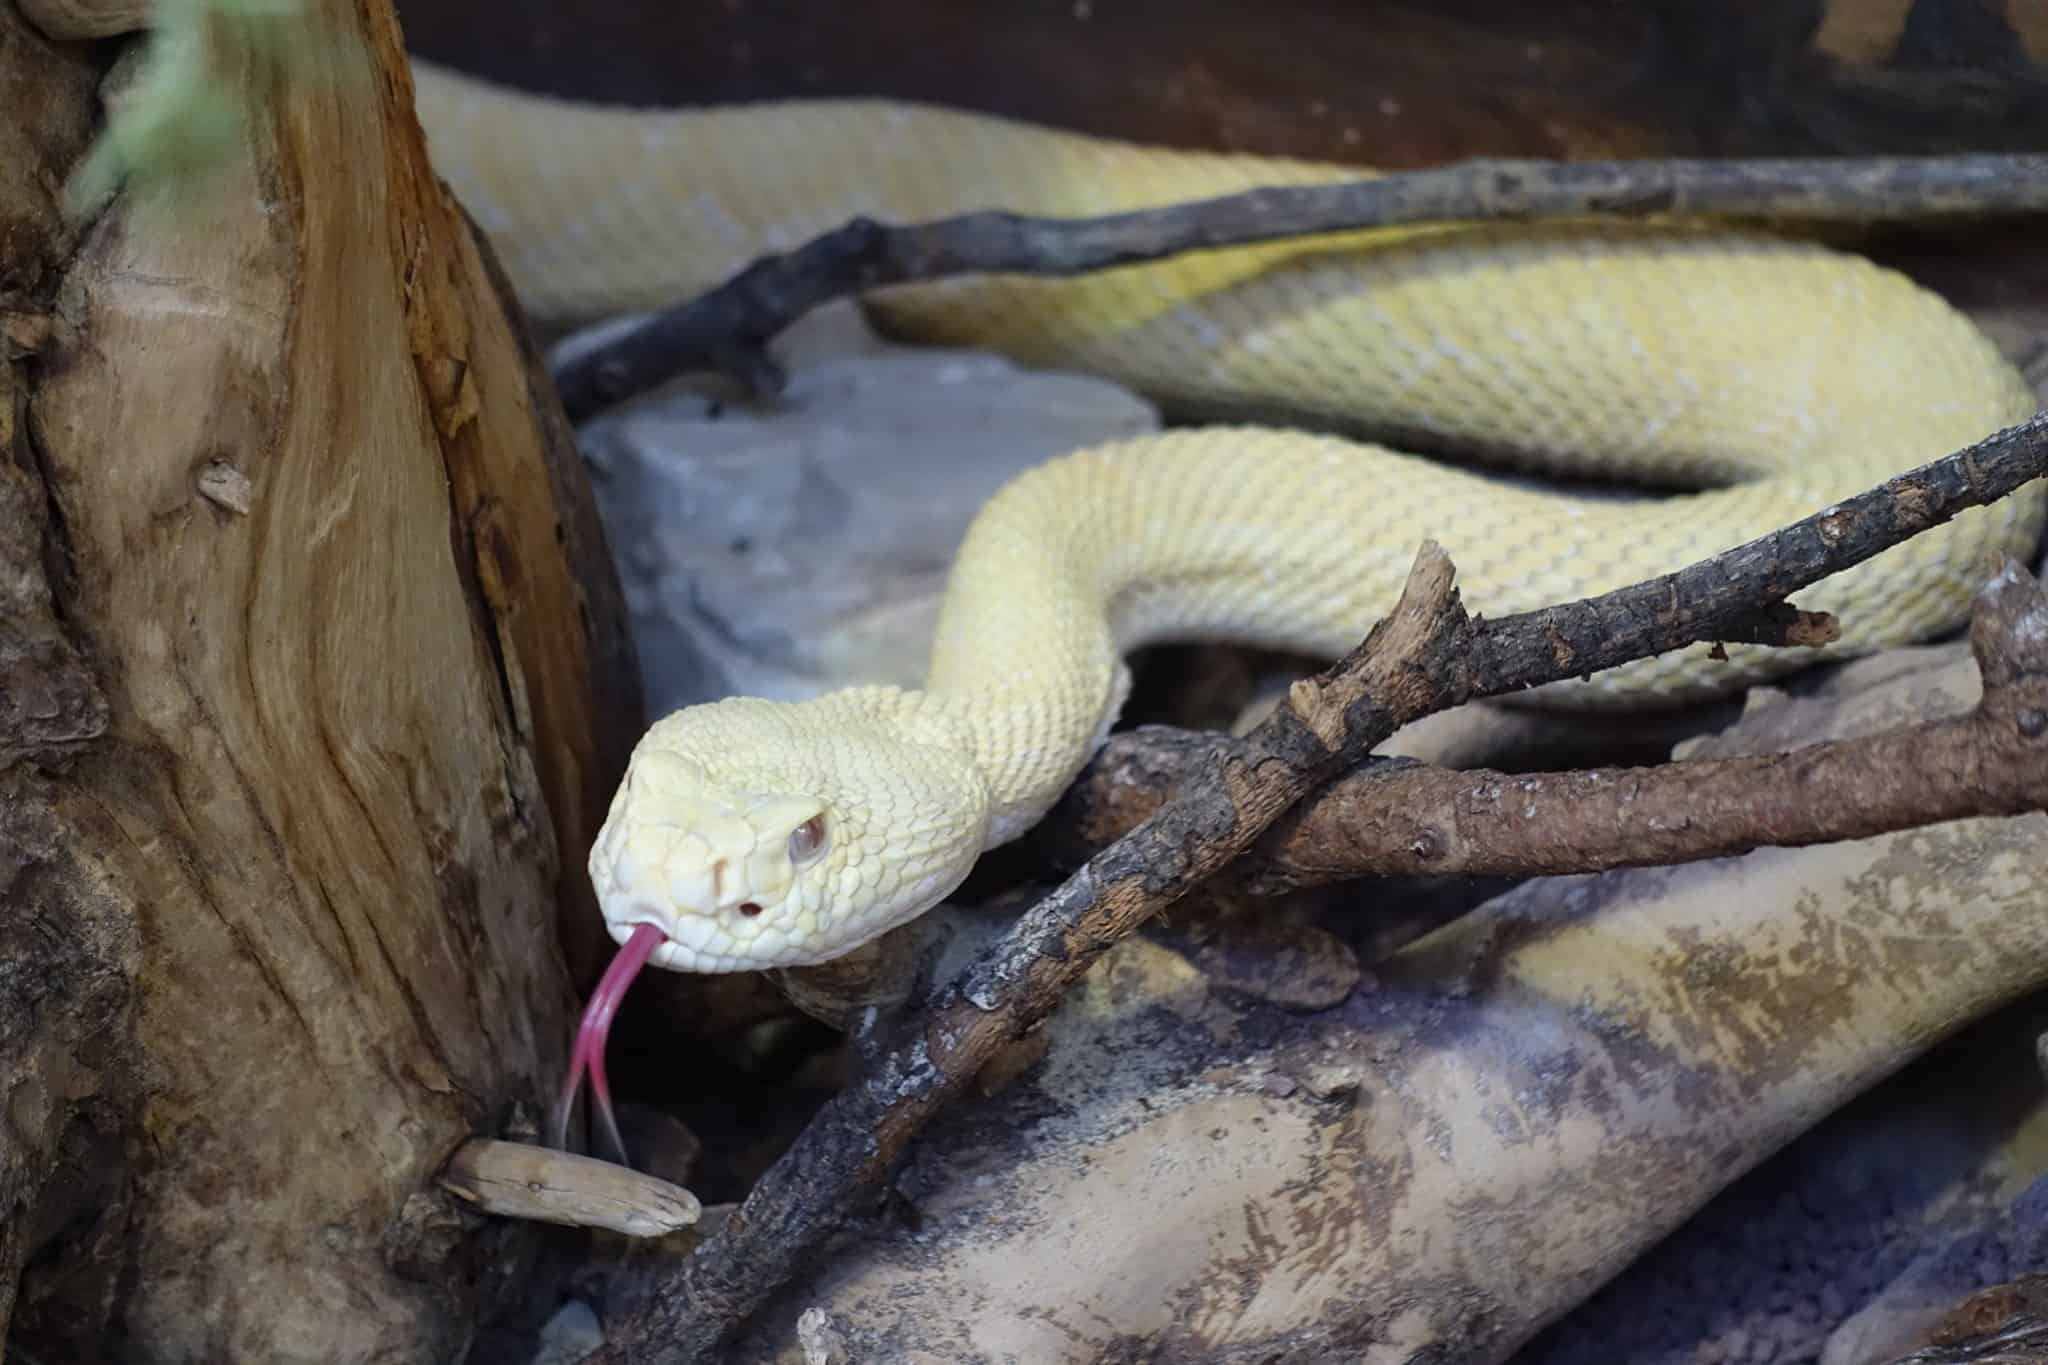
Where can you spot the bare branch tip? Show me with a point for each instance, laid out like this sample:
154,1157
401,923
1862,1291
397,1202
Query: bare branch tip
1432,582
2009,626
1811,629
519,1180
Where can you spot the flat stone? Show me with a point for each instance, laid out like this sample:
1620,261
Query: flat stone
785,547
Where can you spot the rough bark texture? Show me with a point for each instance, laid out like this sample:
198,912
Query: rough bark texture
280,928
2005,1325
1414,820
68,948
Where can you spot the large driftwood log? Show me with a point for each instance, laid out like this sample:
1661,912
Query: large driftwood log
312,685
1501,1116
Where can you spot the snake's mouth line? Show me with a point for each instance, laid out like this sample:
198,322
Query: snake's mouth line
587,1053
672,956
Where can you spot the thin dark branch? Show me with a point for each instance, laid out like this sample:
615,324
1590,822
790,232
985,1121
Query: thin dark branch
726,327
1395,818
1426,656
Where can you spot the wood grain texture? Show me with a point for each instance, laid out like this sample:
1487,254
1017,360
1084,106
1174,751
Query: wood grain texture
521,1180
357,719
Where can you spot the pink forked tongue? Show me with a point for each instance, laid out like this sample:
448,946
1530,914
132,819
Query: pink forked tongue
588,1051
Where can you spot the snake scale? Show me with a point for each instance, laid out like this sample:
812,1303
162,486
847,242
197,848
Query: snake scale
1756,379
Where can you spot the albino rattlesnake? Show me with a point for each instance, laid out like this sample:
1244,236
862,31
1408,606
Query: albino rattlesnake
1777,376
1781,375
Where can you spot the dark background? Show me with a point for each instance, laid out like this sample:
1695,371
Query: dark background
1386,82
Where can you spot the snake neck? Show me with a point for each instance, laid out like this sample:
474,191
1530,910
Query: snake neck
1081,560
1028,750
1023,748
1027,661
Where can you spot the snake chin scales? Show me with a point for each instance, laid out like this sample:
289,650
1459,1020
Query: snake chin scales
756,833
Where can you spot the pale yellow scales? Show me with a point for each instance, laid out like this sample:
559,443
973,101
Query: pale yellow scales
1778,375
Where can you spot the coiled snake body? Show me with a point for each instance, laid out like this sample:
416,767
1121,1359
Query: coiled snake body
1770,377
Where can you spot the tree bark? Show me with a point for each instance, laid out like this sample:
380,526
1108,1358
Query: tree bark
313,685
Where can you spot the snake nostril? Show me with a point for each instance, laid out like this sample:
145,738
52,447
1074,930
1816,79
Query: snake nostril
750,908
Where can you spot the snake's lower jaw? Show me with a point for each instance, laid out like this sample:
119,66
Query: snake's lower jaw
695,941
673,954
669,956
687,941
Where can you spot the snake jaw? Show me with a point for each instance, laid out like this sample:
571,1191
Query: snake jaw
758,834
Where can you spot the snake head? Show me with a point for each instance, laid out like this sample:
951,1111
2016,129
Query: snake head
758,834
750,834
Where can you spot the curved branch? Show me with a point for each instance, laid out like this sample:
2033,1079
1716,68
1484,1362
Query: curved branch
726,327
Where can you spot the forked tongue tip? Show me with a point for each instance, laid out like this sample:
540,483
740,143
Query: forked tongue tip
587,1053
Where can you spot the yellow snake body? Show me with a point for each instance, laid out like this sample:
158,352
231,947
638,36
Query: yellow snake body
1772,377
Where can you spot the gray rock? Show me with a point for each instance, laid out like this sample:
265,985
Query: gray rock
782,548
571,1335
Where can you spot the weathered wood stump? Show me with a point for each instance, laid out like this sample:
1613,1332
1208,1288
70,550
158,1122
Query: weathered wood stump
313,683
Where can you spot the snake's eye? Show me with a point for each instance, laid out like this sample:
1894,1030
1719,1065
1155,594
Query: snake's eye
807,840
